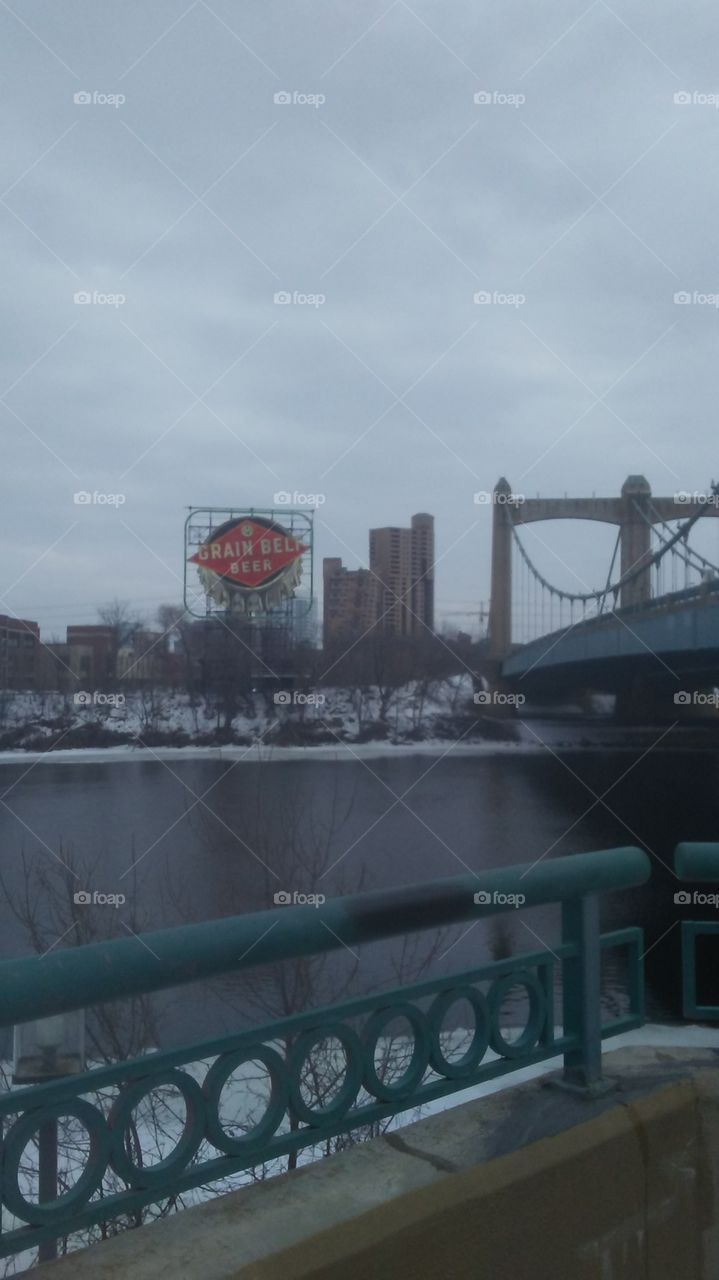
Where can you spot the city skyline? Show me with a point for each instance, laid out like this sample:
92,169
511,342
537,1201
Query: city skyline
452,612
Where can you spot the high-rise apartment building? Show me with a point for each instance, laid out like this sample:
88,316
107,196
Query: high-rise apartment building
422,537
396,593
390,558
403,560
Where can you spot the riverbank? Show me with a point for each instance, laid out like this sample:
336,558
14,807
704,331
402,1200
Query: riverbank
256,753
418,718
528,742
417,713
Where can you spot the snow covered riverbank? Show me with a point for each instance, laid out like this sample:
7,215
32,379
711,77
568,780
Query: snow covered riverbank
431,715
418,718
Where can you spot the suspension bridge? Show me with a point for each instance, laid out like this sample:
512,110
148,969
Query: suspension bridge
650,632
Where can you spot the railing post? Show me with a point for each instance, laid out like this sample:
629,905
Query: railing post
47,1180
581,989
698,861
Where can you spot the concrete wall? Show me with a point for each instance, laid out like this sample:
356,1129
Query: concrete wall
531,1182
616,1197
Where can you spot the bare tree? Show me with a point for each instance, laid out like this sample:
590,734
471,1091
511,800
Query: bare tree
298,848
177,631
44,901
124,624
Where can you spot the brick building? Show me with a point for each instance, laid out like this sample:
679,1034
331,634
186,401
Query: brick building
351,599
19,645
92,653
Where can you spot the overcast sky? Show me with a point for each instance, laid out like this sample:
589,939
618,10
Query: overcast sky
384,188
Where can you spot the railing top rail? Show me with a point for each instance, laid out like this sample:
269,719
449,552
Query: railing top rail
76,977
697,860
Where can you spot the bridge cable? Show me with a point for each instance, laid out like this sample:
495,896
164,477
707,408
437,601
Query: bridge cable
643,567
690,551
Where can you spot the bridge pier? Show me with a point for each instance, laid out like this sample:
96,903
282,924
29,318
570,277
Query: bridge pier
641,702
494,696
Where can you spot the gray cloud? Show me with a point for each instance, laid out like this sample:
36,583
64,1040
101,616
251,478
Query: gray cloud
398,393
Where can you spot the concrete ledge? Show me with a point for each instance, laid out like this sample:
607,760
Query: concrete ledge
528,1182
573,1206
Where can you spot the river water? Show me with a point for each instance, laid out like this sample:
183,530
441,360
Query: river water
196,838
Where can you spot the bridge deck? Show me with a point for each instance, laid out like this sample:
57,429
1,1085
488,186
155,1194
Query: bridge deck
677,632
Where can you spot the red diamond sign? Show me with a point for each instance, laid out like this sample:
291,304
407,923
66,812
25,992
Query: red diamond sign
248,552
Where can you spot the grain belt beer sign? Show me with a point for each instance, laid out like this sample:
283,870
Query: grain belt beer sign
250,564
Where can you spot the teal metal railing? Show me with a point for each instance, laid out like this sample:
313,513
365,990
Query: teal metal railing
699,863
115,1182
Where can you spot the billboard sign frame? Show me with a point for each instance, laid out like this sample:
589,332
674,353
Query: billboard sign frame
214,539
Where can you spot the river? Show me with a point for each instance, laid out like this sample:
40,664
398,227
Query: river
193,838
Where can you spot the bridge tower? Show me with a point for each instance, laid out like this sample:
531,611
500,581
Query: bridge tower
633,512
500,603
635,521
